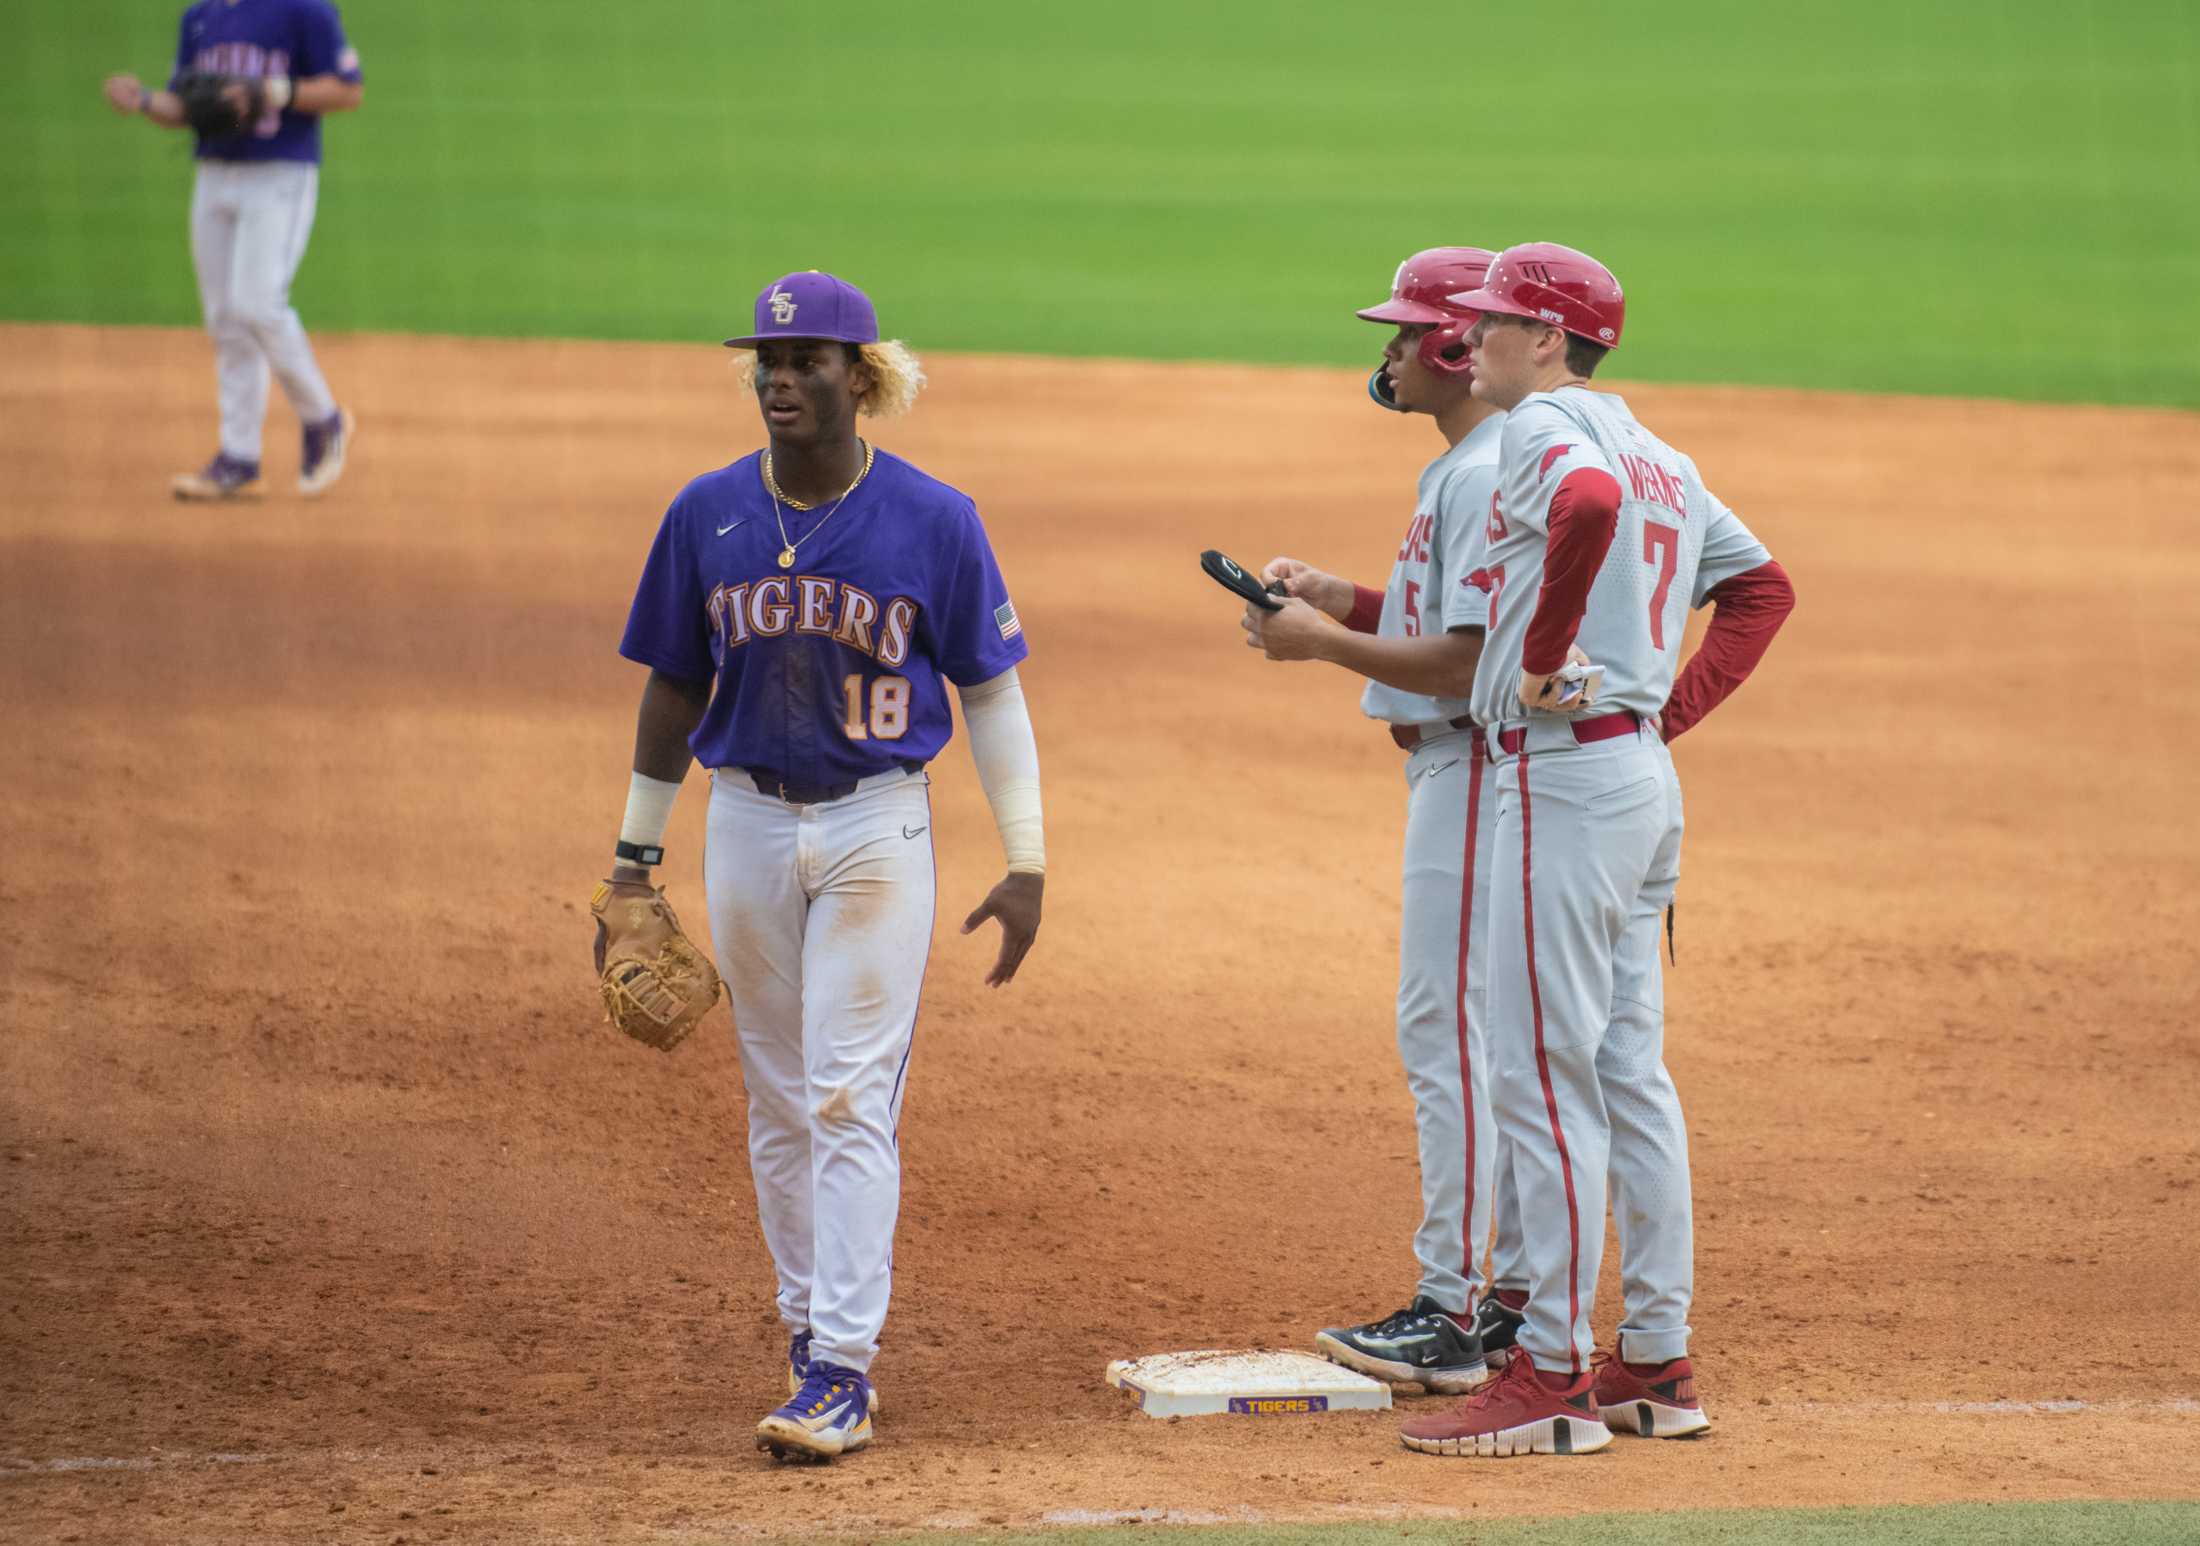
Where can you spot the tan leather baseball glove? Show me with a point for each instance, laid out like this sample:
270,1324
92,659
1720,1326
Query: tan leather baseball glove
656,984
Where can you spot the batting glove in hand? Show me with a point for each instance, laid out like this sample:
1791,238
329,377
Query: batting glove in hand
1569,690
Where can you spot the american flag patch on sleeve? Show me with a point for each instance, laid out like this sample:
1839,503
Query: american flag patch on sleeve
1005,615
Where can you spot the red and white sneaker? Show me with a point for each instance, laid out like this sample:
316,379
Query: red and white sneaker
1656,1400
1522,1412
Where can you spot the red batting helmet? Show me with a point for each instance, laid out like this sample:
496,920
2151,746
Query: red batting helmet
1424,291
1570,290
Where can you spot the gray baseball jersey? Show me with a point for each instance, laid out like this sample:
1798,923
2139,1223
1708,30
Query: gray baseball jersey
1431,589
1674,542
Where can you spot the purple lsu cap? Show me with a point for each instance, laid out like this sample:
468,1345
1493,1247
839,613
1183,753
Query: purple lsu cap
811,305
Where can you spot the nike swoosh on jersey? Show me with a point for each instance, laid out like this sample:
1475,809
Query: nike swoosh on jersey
724,529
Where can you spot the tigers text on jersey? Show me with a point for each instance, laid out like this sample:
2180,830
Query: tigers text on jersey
832,670
1673,543
1431,585
255,38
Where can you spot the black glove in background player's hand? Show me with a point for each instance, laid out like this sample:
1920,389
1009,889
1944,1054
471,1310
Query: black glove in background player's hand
219,106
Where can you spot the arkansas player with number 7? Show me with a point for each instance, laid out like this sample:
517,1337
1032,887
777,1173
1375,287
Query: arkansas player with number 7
1601,536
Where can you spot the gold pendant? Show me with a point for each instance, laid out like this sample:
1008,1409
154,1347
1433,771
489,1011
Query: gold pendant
786,558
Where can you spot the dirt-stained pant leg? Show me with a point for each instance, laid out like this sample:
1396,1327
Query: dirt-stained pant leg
863,973
759,913
1440,1036
1577,832
1651,1202
821,917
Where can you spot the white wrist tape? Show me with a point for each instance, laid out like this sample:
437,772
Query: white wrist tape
1007,755
278,91
648,808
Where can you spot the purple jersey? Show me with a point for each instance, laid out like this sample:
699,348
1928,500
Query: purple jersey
297,38
829,671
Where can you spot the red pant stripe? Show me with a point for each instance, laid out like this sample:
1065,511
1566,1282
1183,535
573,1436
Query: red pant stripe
1543,1071
1466,1060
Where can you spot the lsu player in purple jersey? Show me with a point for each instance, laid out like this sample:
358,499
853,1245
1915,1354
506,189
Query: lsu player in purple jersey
251,213
802,613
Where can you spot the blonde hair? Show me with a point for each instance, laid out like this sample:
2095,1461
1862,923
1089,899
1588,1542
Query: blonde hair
896,376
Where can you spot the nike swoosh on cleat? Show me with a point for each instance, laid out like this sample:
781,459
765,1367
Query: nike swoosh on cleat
724,529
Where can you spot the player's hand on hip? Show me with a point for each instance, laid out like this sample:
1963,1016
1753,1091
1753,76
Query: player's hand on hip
1016,902
1324,591
1296,631
123,93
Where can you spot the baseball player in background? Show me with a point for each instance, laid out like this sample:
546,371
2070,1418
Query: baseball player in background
281,65
1600,536
1417,642
802,612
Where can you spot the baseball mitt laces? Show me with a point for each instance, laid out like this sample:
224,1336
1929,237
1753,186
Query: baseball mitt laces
656,985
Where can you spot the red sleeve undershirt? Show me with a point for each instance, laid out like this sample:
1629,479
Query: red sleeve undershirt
1751,608
1584,514
1367,610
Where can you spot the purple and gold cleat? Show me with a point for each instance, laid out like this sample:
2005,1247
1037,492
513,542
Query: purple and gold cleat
798,1359
225,477
326,444
828,1417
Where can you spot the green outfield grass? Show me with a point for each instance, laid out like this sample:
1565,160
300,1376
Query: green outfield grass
1971,196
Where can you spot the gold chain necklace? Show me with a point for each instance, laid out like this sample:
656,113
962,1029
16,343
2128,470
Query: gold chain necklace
788,544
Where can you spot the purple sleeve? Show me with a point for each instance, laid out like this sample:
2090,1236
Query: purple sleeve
668,628
321,46
183,50
979,633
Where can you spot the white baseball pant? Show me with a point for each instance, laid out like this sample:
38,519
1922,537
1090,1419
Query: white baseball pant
249,224
821,919
1587,855
1451,814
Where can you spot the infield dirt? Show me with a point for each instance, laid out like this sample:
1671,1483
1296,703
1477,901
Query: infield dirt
333,1211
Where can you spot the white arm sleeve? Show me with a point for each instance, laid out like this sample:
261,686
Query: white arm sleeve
648,808
1007,755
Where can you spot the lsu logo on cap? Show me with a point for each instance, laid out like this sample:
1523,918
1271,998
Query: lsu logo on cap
783,306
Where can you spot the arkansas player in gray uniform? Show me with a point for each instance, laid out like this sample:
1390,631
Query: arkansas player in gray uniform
251,213
1600,536
1417,643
